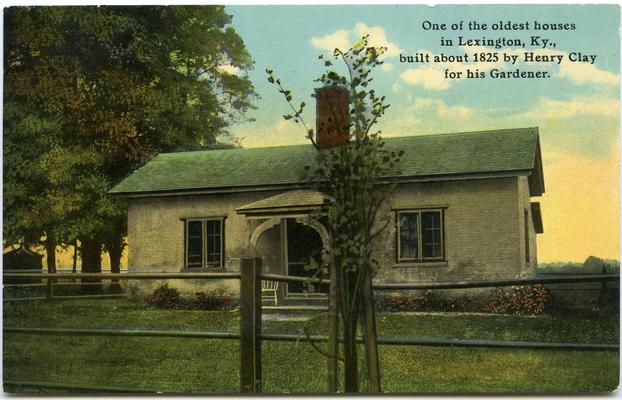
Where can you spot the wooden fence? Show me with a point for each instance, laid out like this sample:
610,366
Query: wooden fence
250,333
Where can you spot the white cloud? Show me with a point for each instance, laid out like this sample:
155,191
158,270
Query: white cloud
425,115
343,39
377,38
440,108
278,133
386,67
582,73
337,40
429,78
576,106
401,123
396,87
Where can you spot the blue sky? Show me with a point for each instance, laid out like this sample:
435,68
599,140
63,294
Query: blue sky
577,110
281,38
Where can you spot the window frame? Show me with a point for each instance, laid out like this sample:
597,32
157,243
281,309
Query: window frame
420,259
204,243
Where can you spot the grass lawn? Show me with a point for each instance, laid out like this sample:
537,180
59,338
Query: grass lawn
202,365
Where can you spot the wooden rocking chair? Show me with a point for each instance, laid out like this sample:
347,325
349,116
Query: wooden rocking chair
269,291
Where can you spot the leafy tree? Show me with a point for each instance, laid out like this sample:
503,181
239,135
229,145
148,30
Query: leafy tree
351,178
93,92
27,137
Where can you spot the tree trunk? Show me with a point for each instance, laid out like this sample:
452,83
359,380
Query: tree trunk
368,326
115,251
333,332
91,250
74,266
50,249
75,256
351,367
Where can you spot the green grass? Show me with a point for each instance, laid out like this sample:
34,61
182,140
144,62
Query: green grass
201,365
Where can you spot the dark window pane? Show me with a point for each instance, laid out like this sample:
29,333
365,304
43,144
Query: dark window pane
408,235
195,243
214,244
431,234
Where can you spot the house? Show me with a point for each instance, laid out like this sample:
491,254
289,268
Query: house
461,209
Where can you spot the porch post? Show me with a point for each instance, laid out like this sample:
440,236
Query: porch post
250,325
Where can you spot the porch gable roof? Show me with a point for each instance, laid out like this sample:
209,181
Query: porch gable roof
294,200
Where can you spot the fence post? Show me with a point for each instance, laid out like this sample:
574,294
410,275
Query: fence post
250,325
50,288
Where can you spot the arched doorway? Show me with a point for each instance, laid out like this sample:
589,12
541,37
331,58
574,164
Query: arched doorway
304,244
287,245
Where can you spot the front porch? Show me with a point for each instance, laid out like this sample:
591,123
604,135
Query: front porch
287,234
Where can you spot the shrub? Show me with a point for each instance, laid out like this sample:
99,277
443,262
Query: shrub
165,297
430,301
399,303
434,301
210,301
608,301
226,298
520,300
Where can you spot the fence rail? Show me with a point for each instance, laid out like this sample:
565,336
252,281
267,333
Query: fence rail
25,285
45,270
53,278
126,275
140,332
497,283
285,337
299,279
251,335
77,387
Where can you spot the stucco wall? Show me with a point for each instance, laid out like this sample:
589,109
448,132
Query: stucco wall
483,229
156,233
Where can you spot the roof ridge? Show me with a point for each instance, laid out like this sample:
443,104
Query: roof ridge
236,148
384,138
465,132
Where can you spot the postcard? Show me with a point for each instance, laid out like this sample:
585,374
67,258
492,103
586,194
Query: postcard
311,199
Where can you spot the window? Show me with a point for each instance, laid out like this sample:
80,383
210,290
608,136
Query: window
420,236
204,243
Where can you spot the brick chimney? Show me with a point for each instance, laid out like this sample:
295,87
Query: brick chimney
332,116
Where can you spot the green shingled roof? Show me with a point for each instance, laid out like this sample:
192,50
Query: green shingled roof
425,156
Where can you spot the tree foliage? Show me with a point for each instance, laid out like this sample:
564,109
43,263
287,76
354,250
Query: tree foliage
351,177
92,92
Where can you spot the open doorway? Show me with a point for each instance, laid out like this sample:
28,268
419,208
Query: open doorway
303,244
